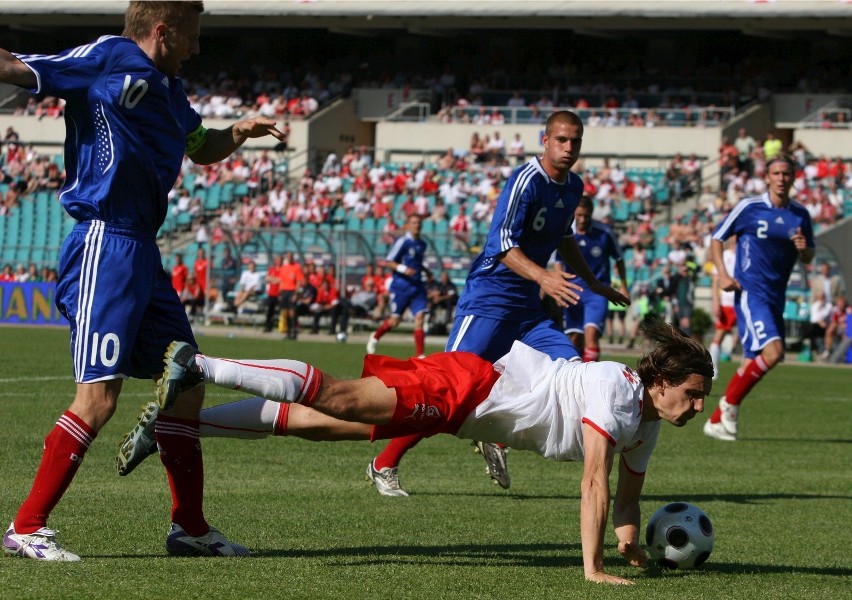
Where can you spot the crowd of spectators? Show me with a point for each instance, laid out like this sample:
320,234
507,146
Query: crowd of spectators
822,183
230,97
24,171
32,274
457,189
319,294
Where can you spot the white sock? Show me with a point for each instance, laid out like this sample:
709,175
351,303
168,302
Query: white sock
250,418
281,380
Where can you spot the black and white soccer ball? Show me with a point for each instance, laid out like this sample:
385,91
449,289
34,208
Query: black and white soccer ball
679,536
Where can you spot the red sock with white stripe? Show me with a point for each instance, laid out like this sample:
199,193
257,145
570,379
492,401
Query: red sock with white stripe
591,354
394,451
180,453
741,384
419,342
280,380
64,448
383,329
251,418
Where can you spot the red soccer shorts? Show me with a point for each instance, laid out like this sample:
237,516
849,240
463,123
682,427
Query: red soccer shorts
727,318
433,394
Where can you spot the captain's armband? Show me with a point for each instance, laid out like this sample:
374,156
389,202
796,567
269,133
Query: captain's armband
195,140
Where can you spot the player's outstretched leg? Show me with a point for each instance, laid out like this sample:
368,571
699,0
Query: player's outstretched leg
281,380
495,461
180,374
140,442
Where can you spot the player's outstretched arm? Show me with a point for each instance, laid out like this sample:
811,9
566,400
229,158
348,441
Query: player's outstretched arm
14,72
626,516
219,144
594,505
570,252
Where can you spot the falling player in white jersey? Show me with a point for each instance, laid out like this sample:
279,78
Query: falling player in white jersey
560,409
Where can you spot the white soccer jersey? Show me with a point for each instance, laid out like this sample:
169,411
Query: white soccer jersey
540,405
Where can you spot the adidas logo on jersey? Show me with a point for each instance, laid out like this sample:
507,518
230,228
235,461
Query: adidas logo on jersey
165,81
559,204
779,220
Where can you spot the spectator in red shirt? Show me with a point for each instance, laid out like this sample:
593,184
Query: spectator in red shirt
291,277
7,274
192,296
326,303
407,208
200,269
273,289
400,182
460,226
179,274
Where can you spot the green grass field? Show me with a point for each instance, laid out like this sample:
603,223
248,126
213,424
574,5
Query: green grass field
780,499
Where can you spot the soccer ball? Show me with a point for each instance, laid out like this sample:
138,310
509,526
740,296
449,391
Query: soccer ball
341,337
679,536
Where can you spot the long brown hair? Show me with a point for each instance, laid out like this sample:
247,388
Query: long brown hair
675,355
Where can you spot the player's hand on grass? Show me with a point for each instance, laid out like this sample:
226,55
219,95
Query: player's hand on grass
634,554
601,577
558,285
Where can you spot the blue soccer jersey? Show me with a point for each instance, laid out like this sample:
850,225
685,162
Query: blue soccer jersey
765,254
409,251
408,291
127,129
599,245
534,213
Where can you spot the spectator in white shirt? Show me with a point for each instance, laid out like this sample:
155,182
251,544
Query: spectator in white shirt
250,285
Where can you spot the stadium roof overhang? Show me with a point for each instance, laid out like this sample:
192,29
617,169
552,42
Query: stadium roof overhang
449,17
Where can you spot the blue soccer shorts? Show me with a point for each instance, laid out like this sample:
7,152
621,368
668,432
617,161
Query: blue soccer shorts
119,301
413,299
493,338
759,321
589,311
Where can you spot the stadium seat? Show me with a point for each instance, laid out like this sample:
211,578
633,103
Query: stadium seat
227,192
183,221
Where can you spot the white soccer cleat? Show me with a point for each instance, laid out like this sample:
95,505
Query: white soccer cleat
495,463
717,431
386,480
372,343
180,373
212,543
140,442
730,414
40,545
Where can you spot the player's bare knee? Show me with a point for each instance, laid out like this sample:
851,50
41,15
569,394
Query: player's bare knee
95,403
